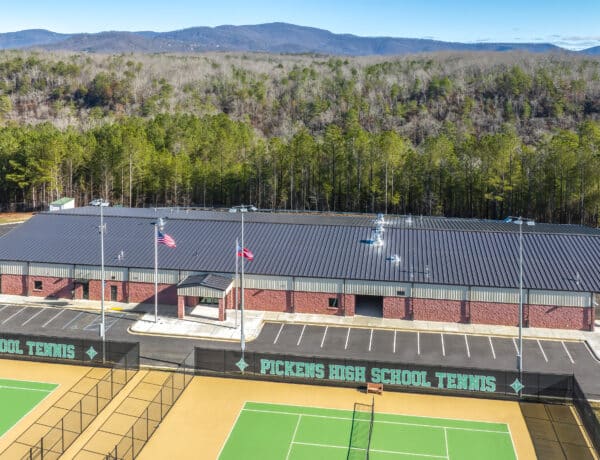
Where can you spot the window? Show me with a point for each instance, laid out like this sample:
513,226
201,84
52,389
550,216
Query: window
400,293
333,302
38,286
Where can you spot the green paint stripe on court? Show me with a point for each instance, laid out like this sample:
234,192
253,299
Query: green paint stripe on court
381,417
26,385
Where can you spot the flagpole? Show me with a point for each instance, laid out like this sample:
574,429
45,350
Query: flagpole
103,282
236,281
242,338
155,272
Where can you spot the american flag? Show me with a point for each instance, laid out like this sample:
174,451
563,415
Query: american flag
165,239
245,252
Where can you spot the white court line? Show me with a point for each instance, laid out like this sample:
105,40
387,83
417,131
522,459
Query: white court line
467,344
293,437
542,350
388,422
418,343
31,317
313,444
14,314
443,347
515,344
73,320
347,338
278,333
231,431
568,354
446,441
8,387
301,334
324,335
492,347
371,340
52,319
395,341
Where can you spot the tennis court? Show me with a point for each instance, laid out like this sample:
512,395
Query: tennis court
277,432
18,398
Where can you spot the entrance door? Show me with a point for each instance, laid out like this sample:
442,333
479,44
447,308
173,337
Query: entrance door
369,305
113,293
85,288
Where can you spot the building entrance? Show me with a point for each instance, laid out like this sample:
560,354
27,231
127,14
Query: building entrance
369,305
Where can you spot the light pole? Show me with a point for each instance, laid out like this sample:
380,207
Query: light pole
102,228
519,221
158,225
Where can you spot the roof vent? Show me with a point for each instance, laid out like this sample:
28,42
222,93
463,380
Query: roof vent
409,220
380,221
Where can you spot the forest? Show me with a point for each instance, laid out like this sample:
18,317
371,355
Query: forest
482,135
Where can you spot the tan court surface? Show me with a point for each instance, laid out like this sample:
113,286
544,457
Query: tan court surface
63,375
198,425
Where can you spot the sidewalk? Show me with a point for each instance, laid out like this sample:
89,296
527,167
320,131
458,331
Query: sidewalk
202,322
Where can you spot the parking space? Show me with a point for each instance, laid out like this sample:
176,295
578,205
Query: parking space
424,347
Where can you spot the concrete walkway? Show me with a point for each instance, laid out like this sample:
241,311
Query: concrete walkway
202,322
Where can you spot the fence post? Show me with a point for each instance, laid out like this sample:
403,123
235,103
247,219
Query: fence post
80,416
62,435
112,390
42,448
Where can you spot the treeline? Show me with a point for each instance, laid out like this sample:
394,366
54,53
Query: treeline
474,135
212,161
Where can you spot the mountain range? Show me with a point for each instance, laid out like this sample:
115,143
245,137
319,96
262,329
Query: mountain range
270,38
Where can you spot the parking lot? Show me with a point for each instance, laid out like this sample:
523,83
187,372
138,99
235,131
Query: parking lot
56,320
427,348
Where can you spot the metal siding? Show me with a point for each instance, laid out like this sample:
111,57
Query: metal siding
13,268
375,288
276,283
561,299
147,276
200,291
318,285
496,295
95,273
54,270
430,291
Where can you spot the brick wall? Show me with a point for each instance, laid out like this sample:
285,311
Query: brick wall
144,293
51,287
451,311
349,304
316,302
561,317
495,313
261,299
396,307
14,284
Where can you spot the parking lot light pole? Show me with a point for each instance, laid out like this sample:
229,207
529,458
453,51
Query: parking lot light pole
520,221
102,228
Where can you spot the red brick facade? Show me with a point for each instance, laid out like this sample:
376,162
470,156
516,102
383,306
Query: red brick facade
312,302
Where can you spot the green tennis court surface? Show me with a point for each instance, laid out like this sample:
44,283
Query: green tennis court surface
278,432
17,398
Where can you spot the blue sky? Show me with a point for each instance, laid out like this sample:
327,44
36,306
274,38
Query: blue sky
569,23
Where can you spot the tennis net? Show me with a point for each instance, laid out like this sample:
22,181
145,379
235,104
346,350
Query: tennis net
362,431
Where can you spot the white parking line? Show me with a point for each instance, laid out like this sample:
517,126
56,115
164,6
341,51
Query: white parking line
542,350
371,340
492,347
31,317
467,344
443,348
347,338
395,341
73,320
324,335
418,343
3,307
53,318
21,309
115,321
278,333
516,347
301,334
568,354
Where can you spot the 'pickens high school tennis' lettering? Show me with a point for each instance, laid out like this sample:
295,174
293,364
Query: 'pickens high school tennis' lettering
387,376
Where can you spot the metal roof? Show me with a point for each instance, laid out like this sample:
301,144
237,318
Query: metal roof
445,251
219,283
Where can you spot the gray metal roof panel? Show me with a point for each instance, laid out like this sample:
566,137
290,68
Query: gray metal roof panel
459,257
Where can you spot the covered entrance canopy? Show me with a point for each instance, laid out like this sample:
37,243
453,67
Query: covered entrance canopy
205,286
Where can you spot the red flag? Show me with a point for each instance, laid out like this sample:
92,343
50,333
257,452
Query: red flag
245,252
165,239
